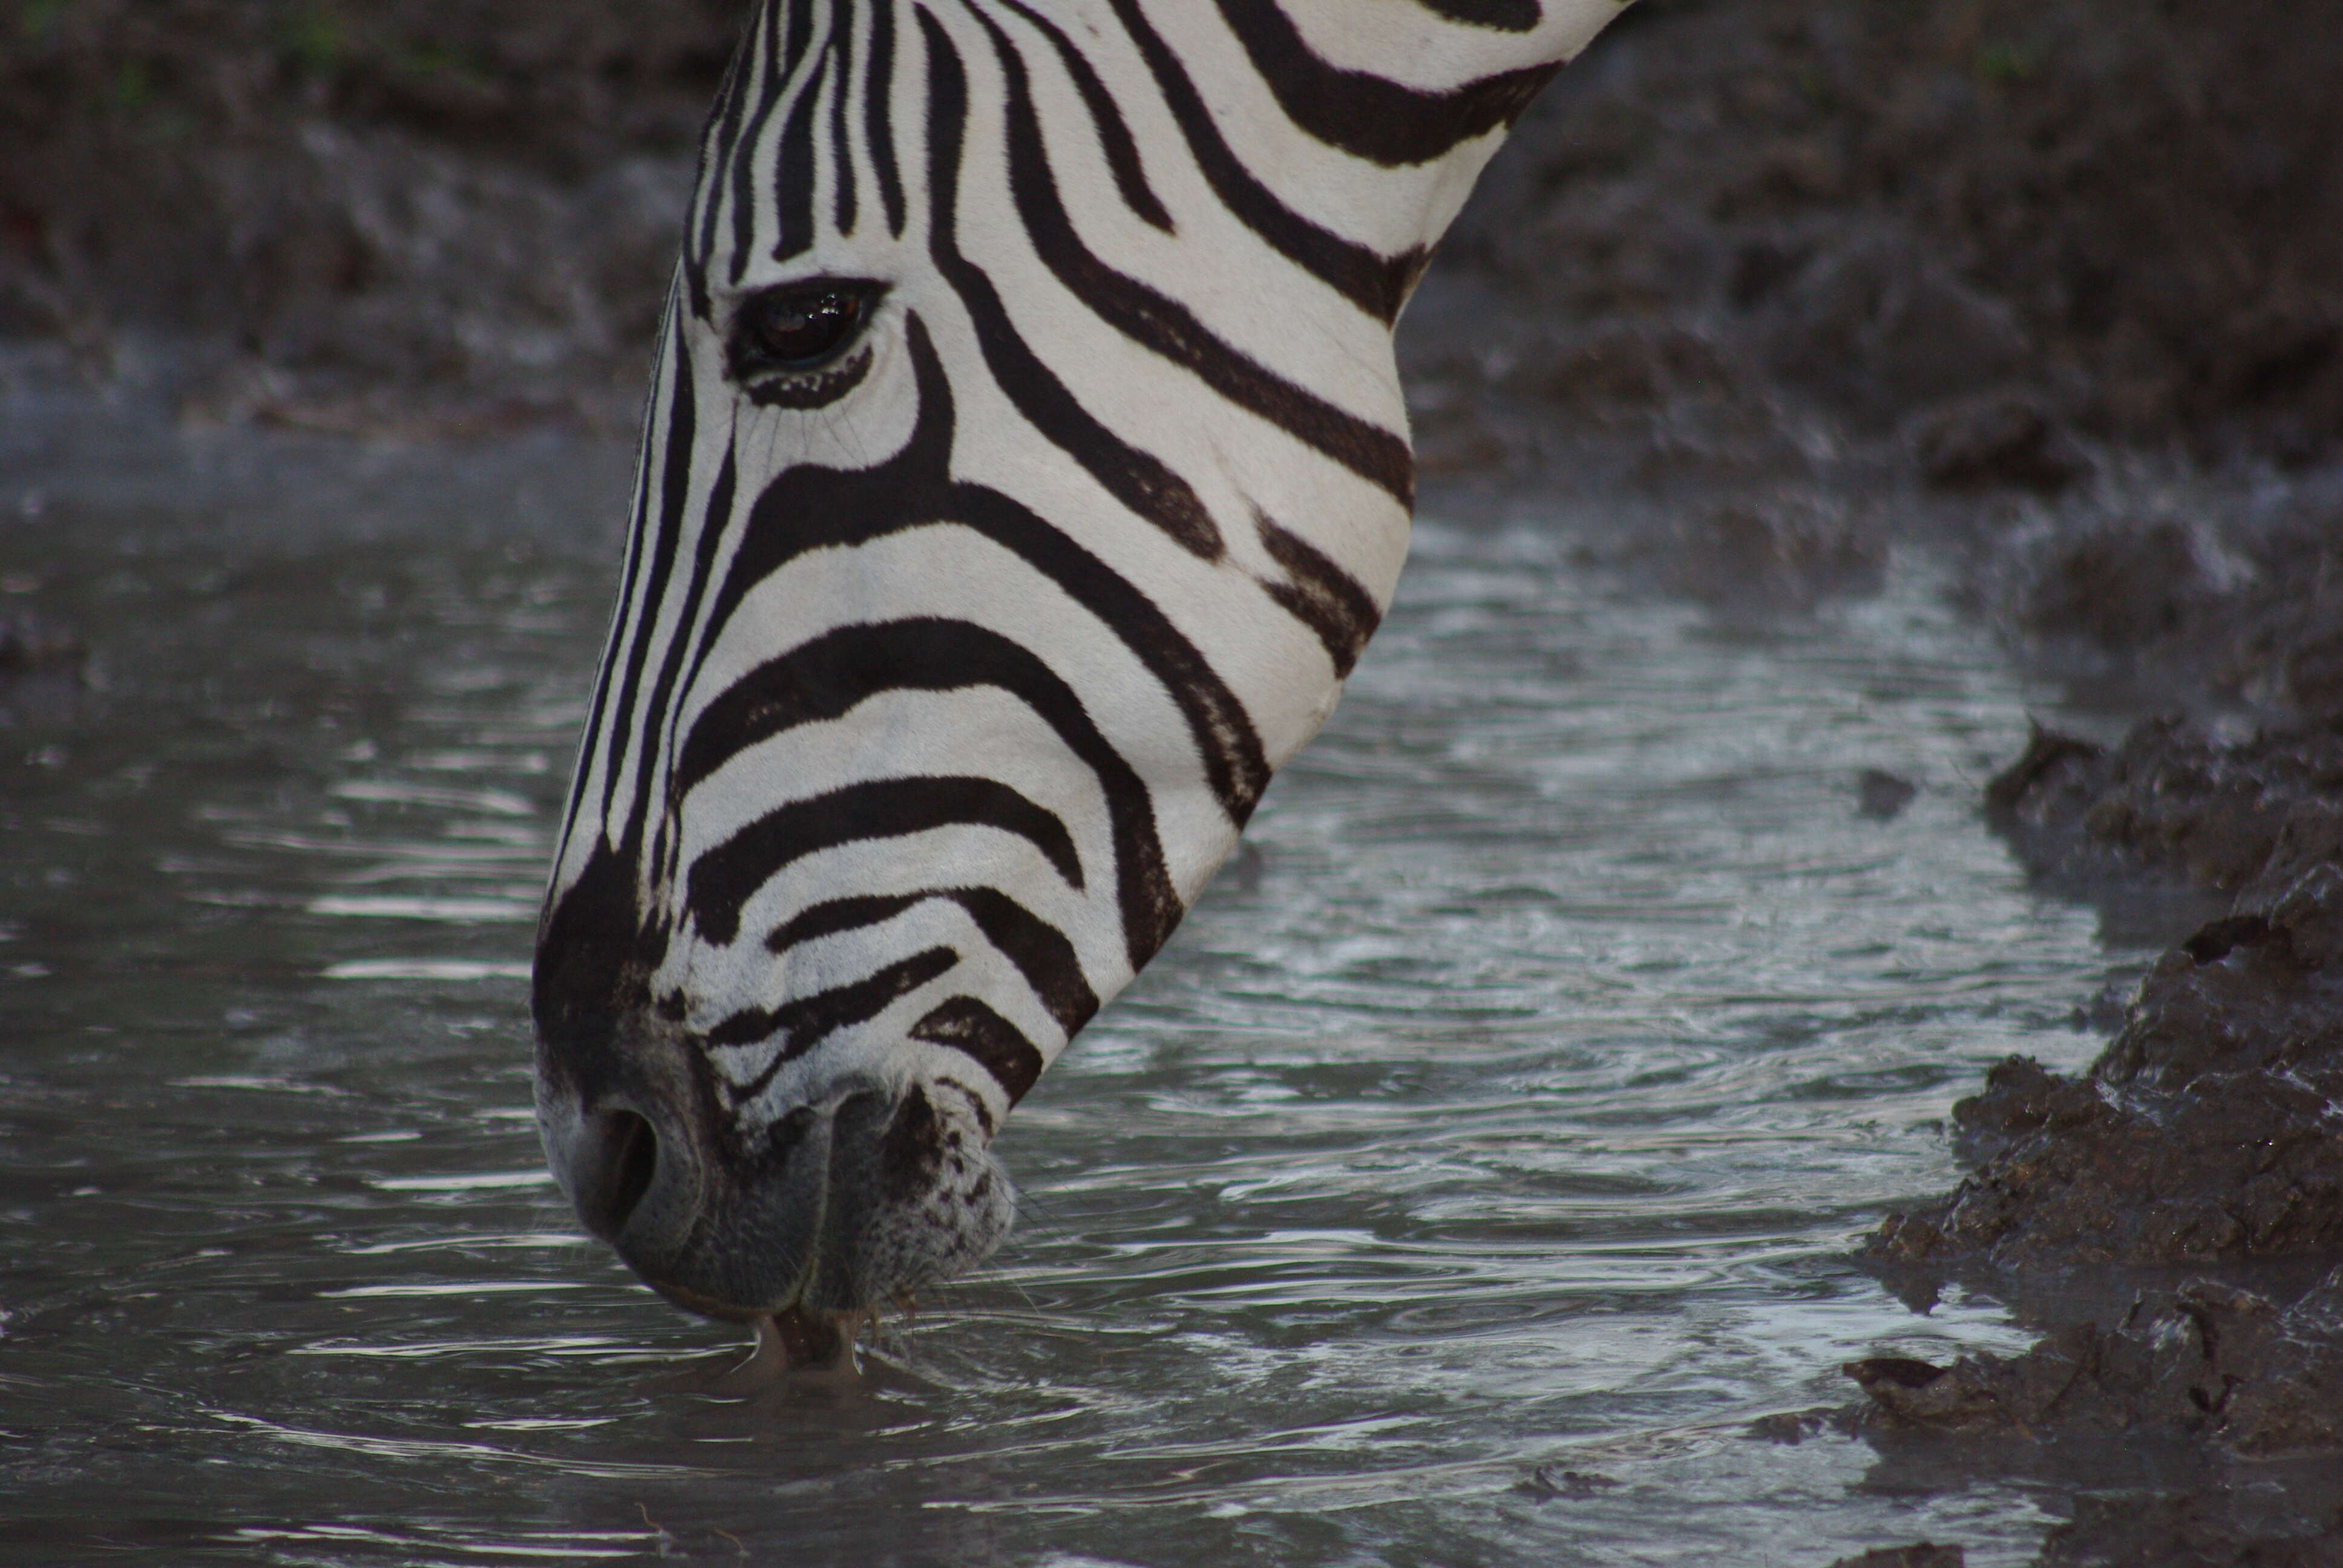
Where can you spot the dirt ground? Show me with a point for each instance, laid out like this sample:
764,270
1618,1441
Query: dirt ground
427,218
2053,287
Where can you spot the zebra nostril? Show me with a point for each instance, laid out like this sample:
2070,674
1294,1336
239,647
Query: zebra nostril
628,1157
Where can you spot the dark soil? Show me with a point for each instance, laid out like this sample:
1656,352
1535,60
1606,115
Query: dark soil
1981,225
2204,1138
2210,1361
428,217
2204,1132
1923,1555
2202,1425
2055,285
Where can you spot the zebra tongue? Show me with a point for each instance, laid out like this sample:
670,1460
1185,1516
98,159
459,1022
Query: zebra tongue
799,1342
794,1349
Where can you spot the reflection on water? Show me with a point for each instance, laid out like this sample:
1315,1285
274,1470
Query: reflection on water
1511,1105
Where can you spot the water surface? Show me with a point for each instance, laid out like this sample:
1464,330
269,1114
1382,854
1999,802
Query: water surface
1506,1110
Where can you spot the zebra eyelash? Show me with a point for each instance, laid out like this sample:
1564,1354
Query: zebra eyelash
800,390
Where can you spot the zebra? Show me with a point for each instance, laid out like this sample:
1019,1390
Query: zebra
1024,469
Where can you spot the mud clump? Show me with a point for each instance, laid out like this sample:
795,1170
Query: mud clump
1922,1555
2241,1400
2117,584
1996,441
2206,1360
1881,796
2202,1134
2190,1530
2243,818
2202,1143
2222,601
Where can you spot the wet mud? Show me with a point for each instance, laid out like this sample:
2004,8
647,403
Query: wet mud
2202,1133
1921,1554
422,220
2199,1423
2200,1155
2204,1360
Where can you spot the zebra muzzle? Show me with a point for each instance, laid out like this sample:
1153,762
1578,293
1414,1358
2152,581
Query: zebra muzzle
867,1195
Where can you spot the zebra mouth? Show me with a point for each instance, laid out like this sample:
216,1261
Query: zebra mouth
692,1302
867,1196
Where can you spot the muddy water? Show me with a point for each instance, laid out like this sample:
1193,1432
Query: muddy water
1505,1112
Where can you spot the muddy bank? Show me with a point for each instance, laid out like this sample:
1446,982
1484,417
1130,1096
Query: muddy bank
2203,1360
2199,1153
1991,233
2052,287
2202,1132
2198,1424
1984,243
1772,284
424,219
1922,1555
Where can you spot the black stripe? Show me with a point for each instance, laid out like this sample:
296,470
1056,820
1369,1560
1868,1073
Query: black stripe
727,875
810,507
1499,15
675,492
807,506
1039,949
841,154
793,172
793,53
808,1020
743,152
1376,284
1167,327
1226,742
1367,115
1320,594
877,112
590,962
719,145
1114,136
974,1030
656,725
829,676
590,744
1139,480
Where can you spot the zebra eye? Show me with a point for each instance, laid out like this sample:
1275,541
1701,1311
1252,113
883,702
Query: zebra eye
800,327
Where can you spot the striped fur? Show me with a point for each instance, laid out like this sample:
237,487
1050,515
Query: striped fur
945,673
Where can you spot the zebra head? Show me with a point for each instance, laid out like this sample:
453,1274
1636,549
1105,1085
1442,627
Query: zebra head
1024,469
